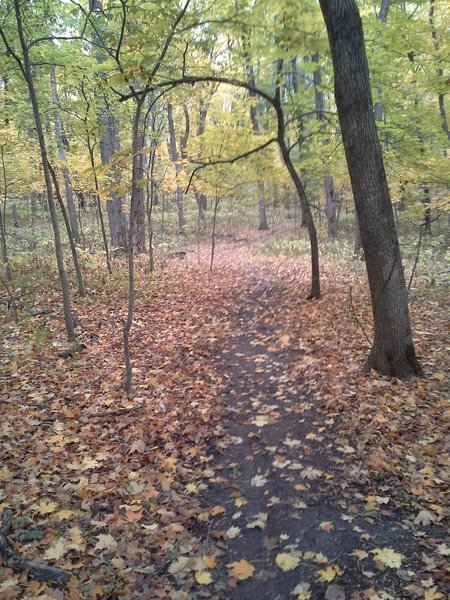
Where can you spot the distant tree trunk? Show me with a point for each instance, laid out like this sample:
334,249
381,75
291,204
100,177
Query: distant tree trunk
15,215
330,205
70,235
175,159
109,145
33,204
99,205
297,76
262,207
201,199
426,201
281,130
138,143
4,243
393,350
262,210
378,108
25,67
60,142
440,72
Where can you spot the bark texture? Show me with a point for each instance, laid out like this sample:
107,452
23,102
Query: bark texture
109,145
175,159
393,351
60,142
330,201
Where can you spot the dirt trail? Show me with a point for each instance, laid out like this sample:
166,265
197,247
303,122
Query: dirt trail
281,492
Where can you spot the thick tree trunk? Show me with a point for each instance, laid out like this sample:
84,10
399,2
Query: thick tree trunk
26,71
60,142
393,351
175,159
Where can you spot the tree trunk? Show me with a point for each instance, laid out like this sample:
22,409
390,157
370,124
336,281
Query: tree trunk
99,205
4,244
378,108
25,67
262,211
60,142
70,235
136,177
330,203
175,159
330,206
262,208
306,210
109,145
393,350
440,72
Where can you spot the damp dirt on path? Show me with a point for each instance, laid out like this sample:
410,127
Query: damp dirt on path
287,521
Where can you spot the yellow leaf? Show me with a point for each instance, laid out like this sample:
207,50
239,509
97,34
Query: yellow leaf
287,561
203,577
65,515
45,508
217,510
241,569
388,557
327,574
359,554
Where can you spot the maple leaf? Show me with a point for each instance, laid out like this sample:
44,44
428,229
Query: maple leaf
203,577
233,532
209,560
241,570
327,574
45,508
259,522
258,481
287,561
57,549
424,517
389,557
105,542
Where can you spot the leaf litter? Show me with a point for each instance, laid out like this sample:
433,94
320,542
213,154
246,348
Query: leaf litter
244,393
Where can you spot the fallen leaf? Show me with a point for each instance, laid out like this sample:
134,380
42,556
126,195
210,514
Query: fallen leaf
287,561
389,558
241,570
203,577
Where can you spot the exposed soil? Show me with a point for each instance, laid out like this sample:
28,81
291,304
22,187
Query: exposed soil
284,480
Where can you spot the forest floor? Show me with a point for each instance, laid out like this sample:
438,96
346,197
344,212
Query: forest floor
255,459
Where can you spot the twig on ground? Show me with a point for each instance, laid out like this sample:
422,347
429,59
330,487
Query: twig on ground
12,560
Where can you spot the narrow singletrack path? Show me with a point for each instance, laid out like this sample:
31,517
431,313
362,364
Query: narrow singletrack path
280,495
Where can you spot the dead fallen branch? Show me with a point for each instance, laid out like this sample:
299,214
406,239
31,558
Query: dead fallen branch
12,560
